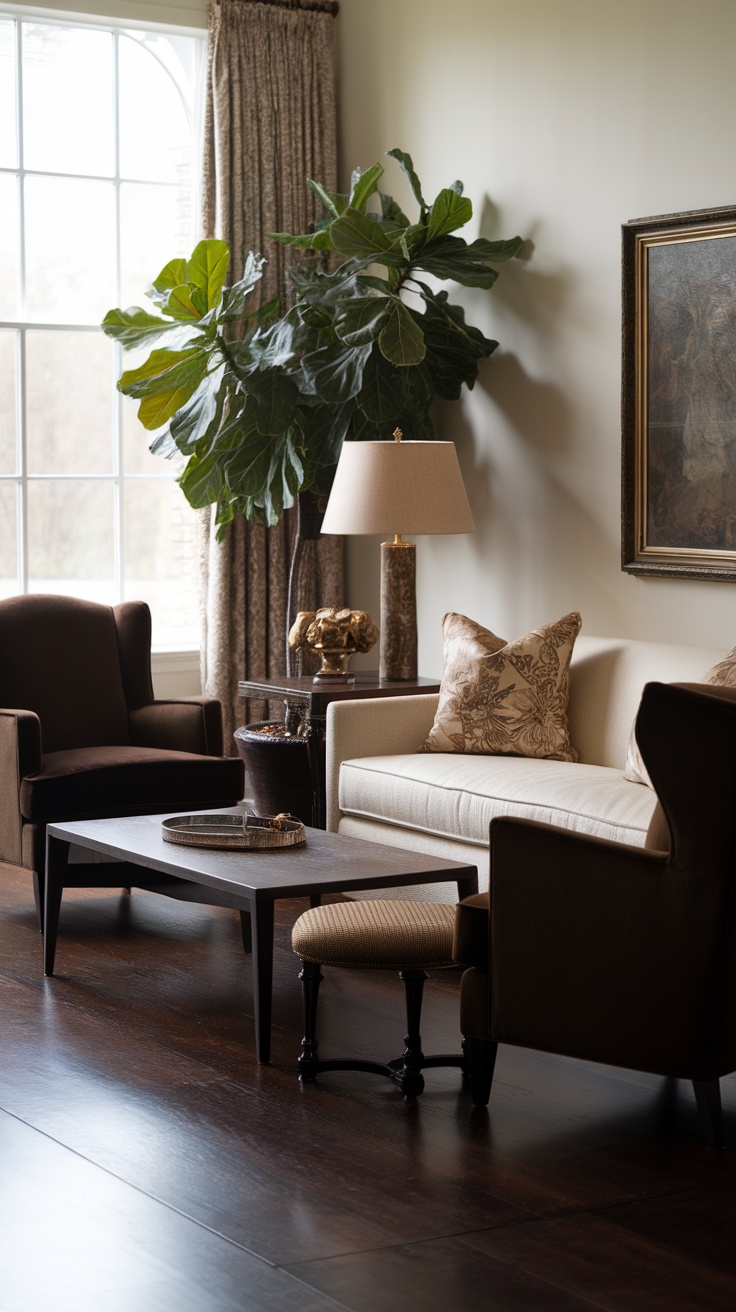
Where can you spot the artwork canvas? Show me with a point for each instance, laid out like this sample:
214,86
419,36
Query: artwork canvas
679,395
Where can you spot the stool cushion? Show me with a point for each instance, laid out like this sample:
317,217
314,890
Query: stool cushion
377,935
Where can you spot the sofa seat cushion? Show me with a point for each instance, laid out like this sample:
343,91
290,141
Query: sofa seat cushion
86,782
456,796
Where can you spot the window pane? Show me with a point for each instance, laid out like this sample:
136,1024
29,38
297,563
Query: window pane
70,539
154,126
9,582
9,248
160,559
67,99
70,244
137,458
155,226
8,358
69,379
8,140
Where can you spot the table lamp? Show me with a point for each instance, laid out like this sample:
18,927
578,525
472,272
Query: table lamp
398,487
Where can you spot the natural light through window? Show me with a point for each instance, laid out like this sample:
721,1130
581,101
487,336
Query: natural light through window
98,133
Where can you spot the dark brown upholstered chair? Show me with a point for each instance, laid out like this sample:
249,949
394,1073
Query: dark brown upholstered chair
611,953
81,734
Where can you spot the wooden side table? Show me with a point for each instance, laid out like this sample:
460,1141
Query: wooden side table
313,699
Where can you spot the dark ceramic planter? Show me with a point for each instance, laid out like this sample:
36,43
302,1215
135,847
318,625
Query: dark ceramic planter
279,770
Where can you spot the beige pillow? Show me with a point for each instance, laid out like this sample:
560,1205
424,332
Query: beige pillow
721,675
502,698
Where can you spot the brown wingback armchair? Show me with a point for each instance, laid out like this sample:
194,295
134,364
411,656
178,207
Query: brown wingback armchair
81,734
613,953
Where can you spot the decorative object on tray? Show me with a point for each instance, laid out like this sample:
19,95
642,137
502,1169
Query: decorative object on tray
250,833
679,392
398,487
334,635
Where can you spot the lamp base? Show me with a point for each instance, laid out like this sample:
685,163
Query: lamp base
398,650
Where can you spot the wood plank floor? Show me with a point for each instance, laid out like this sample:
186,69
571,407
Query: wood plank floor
147,1164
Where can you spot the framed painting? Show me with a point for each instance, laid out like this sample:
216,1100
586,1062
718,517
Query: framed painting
679,395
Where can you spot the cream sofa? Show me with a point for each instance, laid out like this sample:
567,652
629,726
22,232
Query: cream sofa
379,788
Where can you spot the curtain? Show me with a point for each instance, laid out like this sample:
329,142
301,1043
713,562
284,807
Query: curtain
270,124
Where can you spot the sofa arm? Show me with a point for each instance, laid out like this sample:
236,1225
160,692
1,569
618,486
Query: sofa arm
20,754
601,950
381,726
189,724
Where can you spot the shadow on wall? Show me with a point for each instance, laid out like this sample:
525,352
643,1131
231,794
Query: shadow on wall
538,411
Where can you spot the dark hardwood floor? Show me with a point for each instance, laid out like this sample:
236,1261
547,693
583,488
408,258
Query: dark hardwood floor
147,1164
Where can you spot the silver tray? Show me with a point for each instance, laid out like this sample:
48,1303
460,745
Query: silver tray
247,833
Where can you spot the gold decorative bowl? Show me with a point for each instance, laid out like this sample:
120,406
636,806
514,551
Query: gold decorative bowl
247,833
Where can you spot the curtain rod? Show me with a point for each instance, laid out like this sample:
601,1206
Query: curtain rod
317,6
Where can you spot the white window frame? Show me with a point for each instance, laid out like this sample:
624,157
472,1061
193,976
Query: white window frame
116,27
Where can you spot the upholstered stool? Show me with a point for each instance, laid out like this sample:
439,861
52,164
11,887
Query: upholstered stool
411,937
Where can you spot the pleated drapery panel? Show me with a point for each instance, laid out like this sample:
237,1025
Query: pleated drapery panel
270,124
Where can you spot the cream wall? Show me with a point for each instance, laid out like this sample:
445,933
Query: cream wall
564,118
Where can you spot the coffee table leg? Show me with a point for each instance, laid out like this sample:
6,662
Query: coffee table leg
262,923
466,887
57,852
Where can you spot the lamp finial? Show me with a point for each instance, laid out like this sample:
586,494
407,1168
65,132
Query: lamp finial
397,434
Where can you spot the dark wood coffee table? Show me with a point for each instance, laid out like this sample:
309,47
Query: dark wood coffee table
248,881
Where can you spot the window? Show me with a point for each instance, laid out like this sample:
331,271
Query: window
97,129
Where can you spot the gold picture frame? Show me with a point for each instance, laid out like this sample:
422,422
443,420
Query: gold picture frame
679,395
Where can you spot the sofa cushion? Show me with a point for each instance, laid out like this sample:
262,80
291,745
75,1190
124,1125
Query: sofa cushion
720,675
102,781
456,796
509,699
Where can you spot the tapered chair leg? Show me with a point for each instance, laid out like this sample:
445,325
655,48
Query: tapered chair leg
481,1054
708,1099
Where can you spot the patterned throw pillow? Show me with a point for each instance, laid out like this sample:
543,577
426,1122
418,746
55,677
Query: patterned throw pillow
721,675
502,698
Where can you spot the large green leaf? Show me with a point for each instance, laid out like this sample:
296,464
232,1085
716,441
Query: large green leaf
451,257
384,390
402,341
354,234
172,275
165,381
234,298
202,481
307,241
274,396
207,269
334,201
136,327
334,375
407,167
180,304
453,346
449,211
362,319
199,420
363,186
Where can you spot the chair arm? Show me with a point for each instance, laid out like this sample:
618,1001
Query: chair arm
189,724
601,950
20,754
376,726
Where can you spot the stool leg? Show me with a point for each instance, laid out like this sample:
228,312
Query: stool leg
409,1075
311,978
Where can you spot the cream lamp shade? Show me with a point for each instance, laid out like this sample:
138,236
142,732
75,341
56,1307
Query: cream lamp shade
398,487
395,488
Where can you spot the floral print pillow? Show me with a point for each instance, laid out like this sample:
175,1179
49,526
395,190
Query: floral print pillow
505,698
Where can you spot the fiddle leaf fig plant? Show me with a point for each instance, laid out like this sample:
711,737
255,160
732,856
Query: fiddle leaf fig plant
260,399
